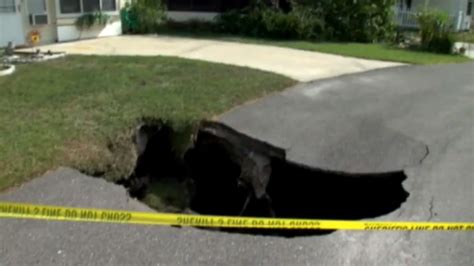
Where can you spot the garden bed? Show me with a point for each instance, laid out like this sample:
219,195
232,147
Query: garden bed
25,57
6,70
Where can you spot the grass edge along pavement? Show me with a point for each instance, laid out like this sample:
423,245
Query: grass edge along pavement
80,111
371,51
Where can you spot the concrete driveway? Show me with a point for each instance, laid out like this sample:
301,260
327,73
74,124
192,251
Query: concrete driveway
296,64
375,121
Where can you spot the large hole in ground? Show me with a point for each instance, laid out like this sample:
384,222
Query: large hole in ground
228,173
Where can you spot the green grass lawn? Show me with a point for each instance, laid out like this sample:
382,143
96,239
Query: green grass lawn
375,52
360,50
79,111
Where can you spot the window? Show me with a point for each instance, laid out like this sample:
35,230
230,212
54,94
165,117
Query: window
206,5
7,6
408,3
469,8
108,5
86,6
179,4
37,12
70,6
90,5
37,6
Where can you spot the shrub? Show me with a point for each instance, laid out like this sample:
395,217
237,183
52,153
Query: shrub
192,26
262,21
248,21
310,22
143,16
442,44
361,20
279,25
88,20
435,31
251,22
230,22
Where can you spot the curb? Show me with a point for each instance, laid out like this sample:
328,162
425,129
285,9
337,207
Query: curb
8,71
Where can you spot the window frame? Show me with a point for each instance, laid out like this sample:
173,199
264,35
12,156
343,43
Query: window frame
45,11
59,13
217,7
81,4
32,14
12,9
117,2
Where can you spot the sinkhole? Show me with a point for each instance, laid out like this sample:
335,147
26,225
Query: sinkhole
228,173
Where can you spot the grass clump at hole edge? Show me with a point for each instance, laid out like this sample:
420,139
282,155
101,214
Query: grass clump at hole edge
80,111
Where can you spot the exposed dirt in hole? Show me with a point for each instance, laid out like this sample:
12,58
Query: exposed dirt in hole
228,173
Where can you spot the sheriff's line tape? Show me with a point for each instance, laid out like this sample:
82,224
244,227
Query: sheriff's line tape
60,213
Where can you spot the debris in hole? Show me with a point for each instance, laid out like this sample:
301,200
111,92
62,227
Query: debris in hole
255,174
295,191
251,156
160,176
228,173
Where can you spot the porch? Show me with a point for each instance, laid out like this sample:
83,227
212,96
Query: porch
407,19
459,11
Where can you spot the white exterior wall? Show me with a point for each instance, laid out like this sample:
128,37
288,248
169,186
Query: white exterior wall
60,27
450,6
49,31
11,27
455,8
67,31
182,16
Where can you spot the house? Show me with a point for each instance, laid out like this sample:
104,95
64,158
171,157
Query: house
183,10
207,10
460,12
54,19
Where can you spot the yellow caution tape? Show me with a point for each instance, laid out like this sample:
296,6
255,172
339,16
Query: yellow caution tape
56,213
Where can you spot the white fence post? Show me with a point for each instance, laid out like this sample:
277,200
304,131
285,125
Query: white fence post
459,21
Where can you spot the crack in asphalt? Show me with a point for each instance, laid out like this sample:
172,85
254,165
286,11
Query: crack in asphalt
431,209
427,152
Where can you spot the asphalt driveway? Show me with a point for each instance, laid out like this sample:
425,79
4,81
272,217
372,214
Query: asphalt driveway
418,119
296,64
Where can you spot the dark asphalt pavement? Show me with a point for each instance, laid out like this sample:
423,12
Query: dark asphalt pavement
416,118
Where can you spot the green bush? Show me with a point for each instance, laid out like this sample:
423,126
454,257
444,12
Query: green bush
332,20
262,21
341,20
279,25
251,21
88,20
248,21
359,21
310,23
192,26
230,22
435,31
143,16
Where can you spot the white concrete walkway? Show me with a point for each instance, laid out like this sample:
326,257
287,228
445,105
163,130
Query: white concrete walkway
296,64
